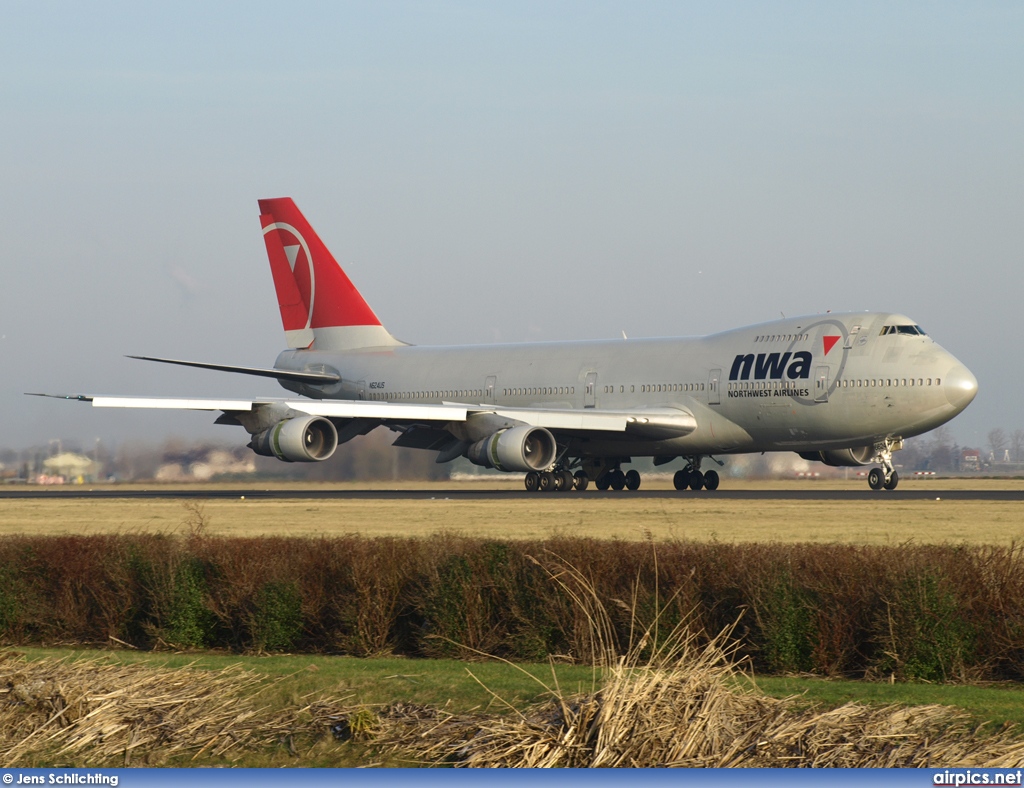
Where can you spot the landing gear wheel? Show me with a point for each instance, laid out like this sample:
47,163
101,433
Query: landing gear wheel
681,480
632,480
876,479
547,482
696,480
603,482
892,481
532,481
568,481
711,480
580,481
617,480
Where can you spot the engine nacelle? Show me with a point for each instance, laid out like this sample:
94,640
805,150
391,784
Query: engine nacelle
839,458
522,448
299,439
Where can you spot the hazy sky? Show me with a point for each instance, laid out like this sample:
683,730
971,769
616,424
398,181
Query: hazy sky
498,172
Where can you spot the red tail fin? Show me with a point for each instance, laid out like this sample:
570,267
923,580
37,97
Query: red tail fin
320,307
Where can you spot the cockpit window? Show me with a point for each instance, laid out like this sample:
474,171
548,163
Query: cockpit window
911,330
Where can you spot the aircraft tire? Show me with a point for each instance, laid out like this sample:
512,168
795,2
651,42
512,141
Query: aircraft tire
532,481
548,482
618,480
632,479
603,482
580,481
893,481
696,480
681,480
876,479
568,481
711,480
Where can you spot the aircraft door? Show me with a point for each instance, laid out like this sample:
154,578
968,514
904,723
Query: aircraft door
590,391
821,379
714,386
489,389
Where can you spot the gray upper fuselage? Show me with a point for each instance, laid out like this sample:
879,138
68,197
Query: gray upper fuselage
765,387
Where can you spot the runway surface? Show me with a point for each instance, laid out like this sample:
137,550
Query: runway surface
809,494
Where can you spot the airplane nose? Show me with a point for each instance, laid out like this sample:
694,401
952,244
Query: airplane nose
960,386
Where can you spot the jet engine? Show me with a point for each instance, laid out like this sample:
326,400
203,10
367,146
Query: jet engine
298,439
522,448
861,455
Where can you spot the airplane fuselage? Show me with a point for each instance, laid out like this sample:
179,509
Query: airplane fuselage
803,384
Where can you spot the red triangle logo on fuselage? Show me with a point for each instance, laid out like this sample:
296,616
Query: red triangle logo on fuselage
829,343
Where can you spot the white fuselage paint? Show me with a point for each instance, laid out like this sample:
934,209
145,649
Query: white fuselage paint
866,388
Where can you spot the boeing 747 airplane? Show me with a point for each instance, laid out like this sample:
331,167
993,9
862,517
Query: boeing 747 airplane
843,389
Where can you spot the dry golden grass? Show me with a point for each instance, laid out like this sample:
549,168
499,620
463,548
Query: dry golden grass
882,520
687,711
96,712
672,702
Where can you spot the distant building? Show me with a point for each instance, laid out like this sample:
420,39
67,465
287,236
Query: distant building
970,460
203,464
67,468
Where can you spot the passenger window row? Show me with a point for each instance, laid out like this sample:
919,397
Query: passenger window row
852,384
404,396
651,388
754,385
645,388
540,391
782,338
888,382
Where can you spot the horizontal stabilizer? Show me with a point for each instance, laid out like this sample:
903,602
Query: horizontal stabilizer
280,374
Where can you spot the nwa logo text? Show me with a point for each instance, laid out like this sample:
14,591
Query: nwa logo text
771,366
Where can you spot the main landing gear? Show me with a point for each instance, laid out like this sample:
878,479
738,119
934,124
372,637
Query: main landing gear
554,481
617,480
885,478
691,478
604,475
607,475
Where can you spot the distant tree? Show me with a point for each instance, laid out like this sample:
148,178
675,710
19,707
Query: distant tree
915,454
942,454
997,442
1017,445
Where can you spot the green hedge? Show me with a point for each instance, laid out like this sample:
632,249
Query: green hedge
936,613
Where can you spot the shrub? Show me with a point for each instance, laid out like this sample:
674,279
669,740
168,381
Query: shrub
786,621
276,618
928,637
911,611
190,623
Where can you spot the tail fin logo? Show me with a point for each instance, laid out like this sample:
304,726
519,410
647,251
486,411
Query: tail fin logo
319,304
303,276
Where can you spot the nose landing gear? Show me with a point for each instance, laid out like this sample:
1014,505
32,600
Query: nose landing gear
885,478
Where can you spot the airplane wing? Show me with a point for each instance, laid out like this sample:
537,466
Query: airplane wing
651,423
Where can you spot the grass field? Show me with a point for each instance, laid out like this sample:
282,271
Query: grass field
462,686
291,680
701,517
488,687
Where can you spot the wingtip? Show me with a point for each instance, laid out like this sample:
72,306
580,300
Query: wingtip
75,397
